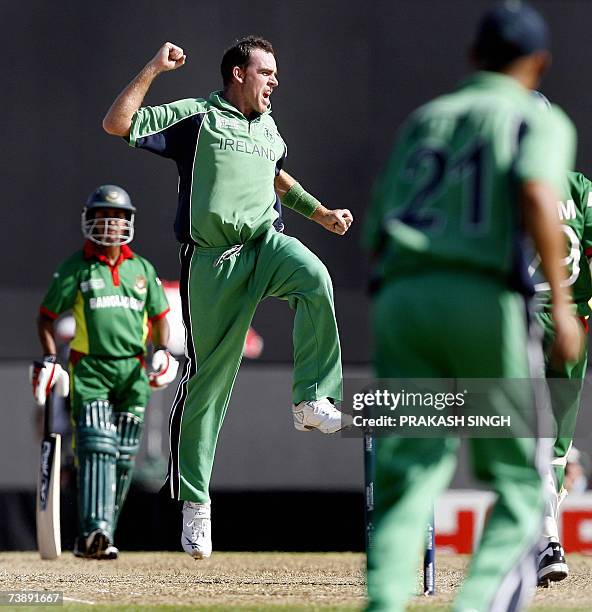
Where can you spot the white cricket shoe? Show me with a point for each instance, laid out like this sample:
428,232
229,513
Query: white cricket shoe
552,565
319,414
196,537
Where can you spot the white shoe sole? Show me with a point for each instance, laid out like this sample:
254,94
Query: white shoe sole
300,427
552,573
198,555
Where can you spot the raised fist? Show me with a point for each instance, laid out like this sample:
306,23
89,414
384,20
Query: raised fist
168,57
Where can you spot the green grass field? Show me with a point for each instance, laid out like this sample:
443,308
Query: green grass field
285,582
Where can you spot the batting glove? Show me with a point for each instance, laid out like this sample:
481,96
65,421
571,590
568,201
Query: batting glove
164,369
46,374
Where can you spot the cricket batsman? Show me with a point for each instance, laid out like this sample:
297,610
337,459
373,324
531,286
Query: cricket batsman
472,173
117,300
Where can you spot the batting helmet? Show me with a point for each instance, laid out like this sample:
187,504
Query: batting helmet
100,230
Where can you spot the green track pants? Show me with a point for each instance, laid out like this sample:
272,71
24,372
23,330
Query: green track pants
446,325
220,290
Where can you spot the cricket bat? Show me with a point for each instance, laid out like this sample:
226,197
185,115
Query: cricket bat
48,489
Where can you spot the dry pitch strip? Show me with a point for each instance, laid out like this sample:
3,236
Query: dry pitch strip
245,581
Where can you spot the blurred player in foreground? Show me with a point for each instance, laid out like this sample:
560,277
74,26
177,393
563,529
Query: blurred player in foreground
229,155
115,297
469,171
565,379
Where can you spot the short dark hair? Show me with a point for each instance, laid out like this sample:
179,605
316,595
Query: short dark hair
240,54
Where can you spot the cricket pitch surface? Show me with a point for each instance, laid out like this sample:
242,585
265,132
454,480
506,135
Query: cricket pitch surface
246,581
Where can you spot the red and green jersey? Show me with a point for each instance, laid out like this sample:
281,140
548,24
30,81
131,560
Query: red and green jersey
227,165
448,197
112,304
575,213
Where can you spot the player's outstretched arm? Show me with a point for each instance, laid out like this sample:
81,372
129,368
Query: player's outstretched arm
118,119
293,196
540,213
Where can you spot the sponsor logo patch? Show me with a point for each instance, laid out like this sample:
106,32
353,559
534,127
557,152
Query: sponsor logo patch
46,460
116,301
92,284
224,122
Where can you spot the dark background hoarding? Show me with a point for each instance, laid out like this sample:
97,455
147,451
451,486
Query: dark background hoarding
348,72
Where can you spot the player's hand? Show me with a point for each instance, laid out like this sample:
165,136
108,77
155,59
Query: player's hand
569,336
336,221
164,369
46,374
168,57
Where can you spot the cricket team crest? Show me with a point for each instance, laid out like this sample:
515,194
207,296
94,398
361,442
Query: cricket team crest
141,284
268,134
112,196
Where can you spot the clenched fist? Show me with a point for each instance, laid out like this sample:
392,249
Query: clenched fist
168,57
336,221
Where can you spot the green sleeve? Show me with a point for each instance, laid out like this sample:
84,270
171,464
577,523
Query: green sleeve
164,129
61,293
547,150
156,303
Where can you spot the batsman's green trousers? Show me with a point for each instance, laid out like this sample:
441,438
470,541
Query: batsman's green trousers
565,386
453,325
220,290
122,382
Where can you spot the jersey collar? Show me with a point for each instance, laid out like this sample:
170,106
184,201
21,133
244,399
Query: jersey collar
218,100
91,250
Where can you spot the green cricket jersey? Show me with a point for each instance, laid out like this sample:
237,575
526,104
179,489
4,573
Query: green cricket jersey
448,196
112,305
226,163
575,213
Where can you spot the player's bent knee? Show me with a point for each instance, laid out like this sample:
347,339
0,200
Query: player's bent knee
315,277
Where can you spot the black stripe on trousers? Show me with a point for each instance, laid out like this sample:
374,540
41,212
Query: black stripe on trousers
189,370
